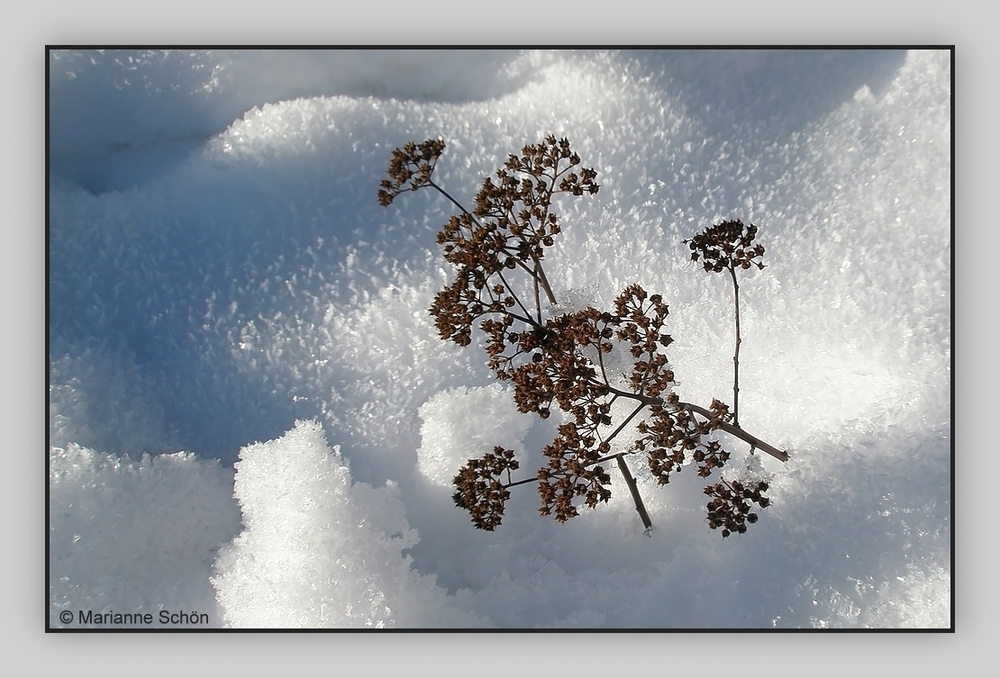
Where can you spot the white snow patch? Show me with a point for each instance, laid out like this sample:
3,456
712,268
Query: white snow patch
462,423
318,551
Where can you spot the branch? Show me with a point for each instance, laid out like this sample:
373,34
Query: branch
736,353
454,202
630,481
740,433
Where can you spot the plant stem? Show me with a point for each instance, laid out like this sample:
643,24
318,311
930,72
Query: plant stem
727,427
640,507
740,433
453,201
736,353
517,299
630,481
624,423
538,274
545,281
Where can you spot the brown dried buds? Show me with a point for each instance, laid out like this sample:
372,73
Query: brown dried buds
727,246
573,471
731,504
673,432
480,490
506,235
410,169
563,361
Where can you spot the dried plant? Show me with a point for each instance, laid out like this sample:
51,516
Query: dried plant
497,249
726,247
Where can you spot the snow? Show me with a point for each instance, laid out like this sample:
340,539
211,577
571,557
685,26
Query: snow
230,306
125,533
318,550
447,440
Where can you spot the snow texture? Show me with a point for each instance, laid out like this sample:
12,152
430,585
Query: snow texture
220,273
318,551
135,536
447,439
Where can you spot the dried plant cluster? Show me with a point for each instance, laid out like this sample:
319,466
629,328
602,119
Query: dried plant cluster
497,249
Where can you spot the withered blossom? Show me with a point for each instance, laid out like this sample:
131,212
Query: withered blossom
727,246
498,249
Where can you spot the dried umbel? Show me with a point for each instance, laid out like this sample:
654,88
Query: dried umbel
497,249
480,490
674,432
731,505
573,471
727,246
410,169
504,237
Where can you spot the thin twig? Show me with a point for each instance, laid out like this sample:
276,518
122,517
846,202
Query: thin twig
739,433
454,202
517,299
630,481
736,354
545,281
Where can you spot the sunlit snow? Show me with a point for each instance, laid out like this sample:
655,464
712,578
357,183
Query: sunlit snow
251,414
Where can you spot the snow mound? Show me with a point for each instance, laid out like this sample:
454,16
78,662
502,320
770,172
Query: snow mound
318,551
100,399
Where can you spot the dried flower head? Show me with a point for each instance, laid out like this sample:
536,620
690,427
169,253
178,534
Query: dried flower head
731,504
573,471
505,236
727,246
410,169
480,490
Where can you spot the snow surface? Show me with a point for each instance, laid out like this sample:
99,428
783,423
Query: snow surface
224,288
